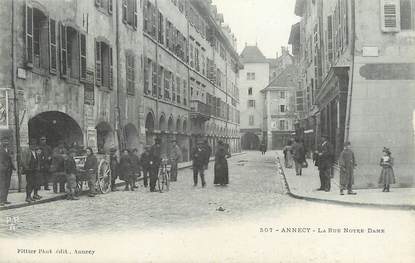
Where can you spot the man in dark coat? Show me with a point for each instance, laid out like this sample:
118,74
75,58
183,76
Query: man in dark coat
47,152
145,164
298,156
221,170
347,164
155,161
208,151
199,161
6,169
135,159
125,168
31,167
325,161
114,168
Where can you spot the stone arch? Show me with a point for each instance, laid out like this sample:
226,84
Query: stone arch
170,124
162,122
185,126
179,125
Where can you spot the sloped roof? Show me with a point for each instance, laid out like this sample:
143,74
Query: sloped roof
287,78
252,54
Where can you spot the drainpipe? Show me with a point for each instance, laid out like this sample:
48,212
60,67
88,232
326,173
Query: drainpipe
350,87
16,112
119,131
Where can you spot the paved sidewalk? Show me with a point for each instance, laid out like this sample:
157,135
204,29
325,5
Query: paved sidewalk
305,187
17,199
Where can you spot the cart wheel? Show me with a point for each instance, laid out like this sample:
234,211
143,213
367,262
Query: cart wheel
104,177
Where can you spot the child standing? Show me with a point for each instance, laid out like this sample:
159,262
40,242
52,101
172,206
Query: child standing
387,176
70,170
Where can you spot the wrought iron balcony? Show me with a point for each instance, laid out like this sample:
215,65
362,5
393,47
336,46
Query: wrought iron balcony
199,110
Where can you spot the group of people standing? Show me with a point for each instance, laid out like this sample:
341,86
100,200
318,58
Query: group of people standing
323,157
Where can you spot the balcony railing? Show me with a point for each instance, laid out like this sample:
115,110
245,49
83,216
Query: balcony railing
199,110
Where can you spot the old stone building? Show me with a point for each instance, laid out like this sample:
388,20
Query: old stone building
357,78
109,73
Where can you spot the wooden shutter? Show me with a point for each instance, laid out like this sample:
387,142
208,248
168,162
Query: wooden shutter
390,15
111,81
135,22
110,6
52,46
124,11
63,51
82,56
29,36
98,64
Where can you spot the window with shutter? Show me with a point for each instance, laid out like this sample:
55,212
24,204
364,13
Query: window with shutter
154,79
98,63
29,36
173,88
110,6
161,28
160,80
130,78
124,11
147,68
63,53
82,56
52,46
184,92
178,84
390,15
111,69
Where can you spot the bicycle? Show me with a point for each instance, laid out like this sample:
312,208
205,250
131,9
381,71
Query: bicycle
163,179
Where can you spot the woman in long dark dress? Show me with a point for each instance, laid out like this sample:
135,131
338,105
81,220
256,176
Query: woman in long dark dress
221,165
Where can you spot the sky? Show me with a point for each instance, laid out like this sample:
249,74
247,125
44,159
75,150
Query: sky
265,22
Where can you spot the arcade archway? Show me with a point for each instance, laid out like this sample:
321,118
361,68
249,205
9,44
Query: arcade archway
56,126
149,128
250,141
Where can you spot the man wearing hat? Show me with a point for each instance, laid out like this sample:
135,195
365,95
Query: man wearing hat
113,167
175,158
30,165
6,168
145,160
208,151
198,163
325,161
155,161
47,152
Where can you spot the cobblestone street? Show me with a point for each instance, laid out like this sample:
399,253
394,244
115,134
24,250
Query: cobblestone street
254,186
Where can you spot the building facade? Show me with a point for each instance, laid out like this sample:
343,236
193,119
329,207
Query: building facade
109,73
357,78
262,81
280,109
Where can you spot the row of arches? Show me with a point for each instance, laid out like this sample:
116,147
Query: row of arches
220,130
165,124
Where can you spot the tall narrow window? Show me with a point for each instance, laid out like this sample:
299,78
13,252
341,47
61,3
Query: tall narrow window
130,13
160,81
178,84
154,80
52,46
161,29
249,91
407,9
167,77
29,36
82,56
103,64
147,69
173,88
63,53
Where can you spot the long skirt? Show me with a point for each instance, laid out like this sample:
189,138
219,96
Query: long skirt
387,176
221,172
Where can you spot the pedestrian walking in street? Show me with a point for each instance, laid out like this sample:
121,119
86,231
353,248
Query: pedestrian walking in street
263,148
298,156
387,176
6,169
198,163
325,161
91,168
155,162
175,158
70,172
221,165
145,164
125,170
47,152
135,161
288,155
208,153
113,168
347,163
57,170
